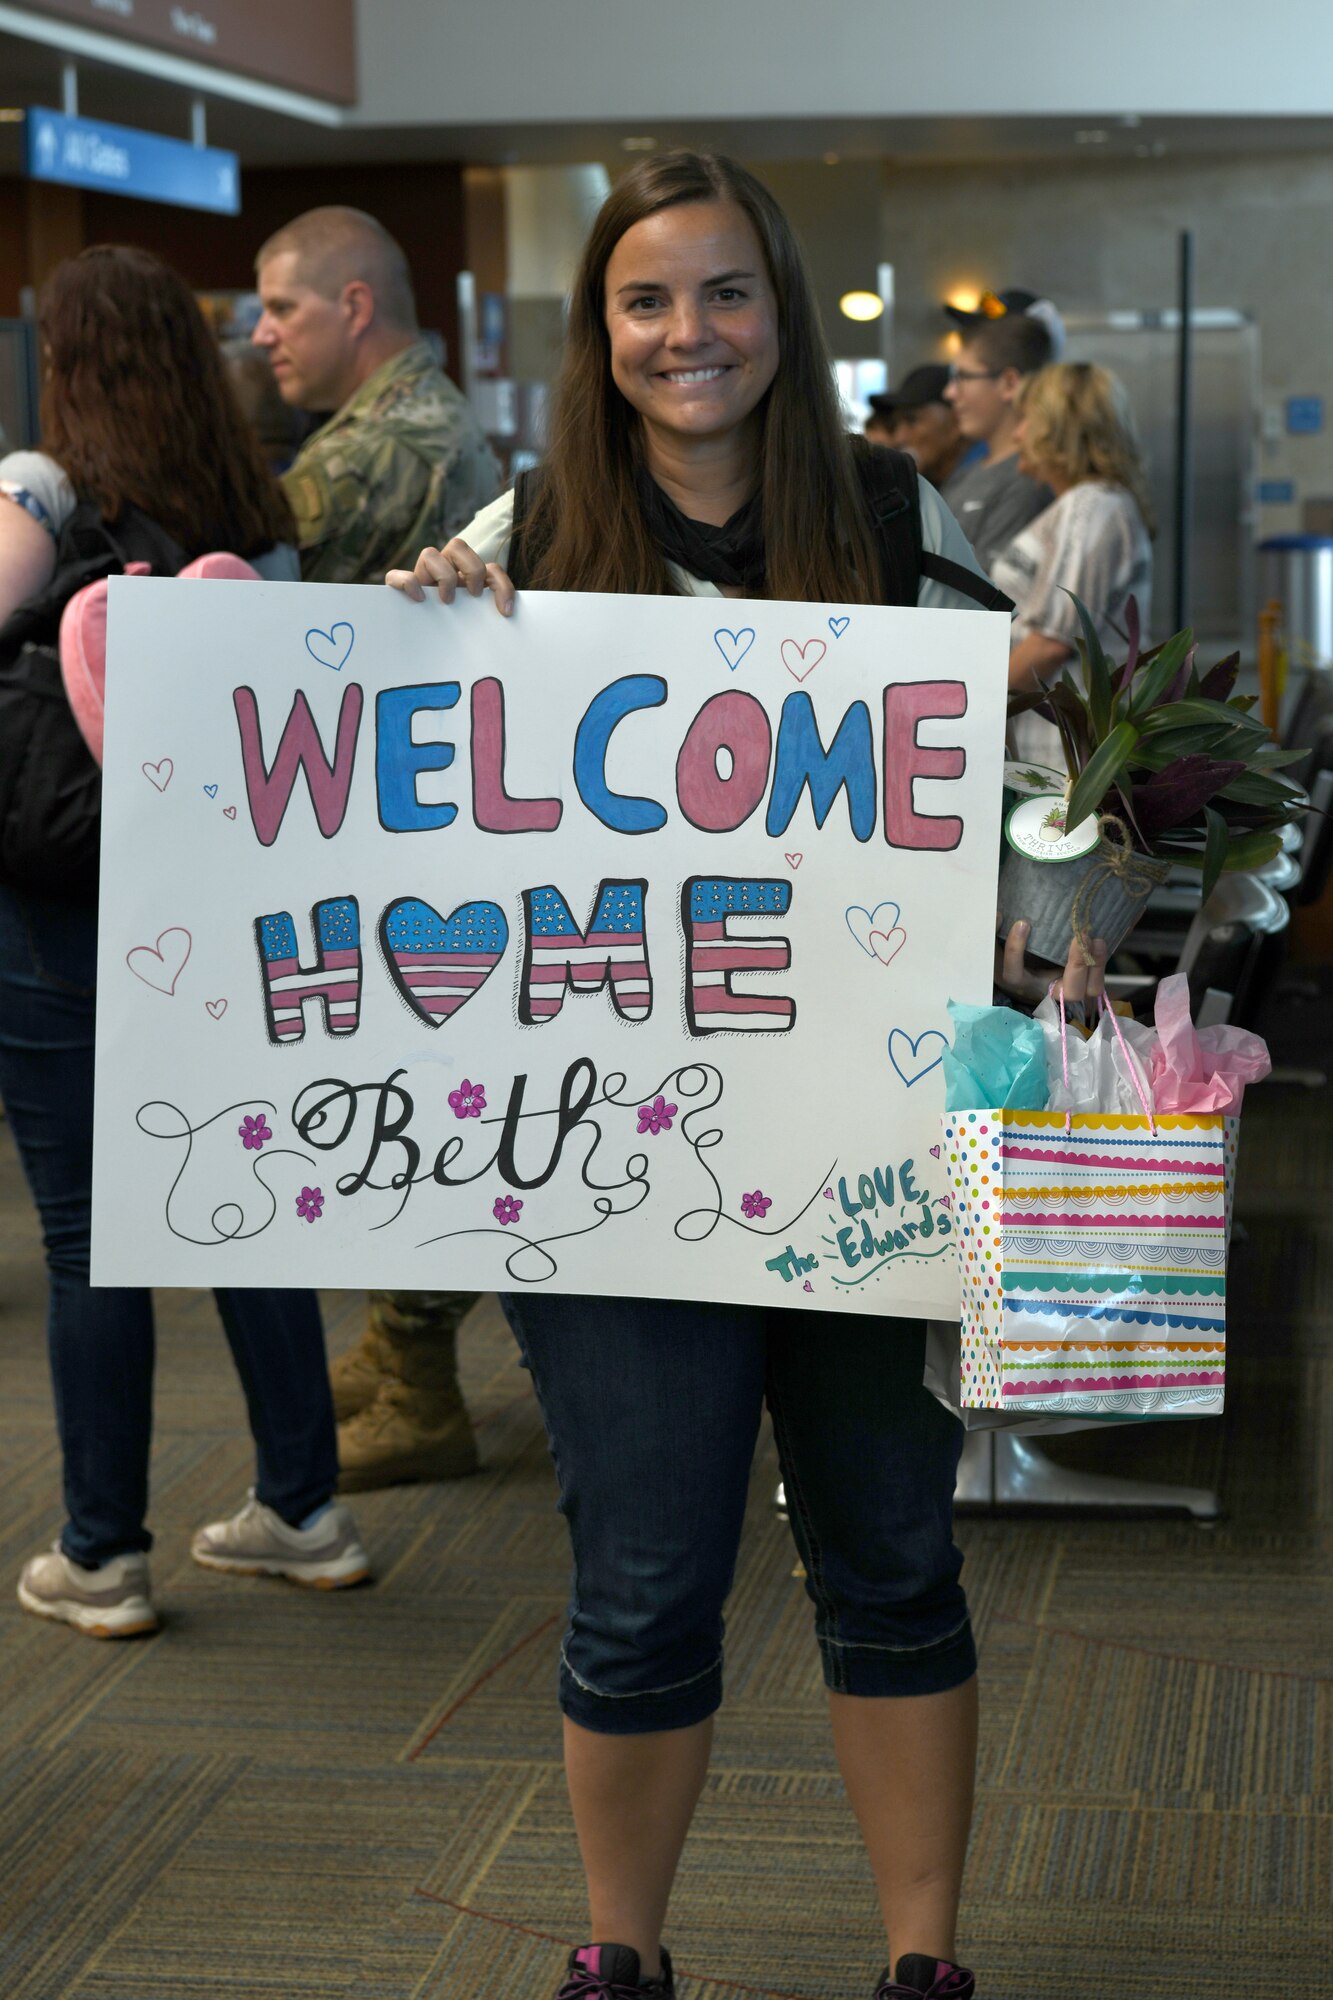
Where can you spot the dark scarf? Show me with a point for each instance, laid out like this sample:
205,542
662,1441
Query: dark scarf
730,555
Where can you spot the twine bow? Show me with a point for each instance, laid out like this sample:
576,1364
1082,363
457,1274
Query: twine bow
1136,874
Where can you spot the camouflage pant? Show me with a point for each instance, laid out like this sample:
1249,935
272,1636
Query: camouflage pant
406,1317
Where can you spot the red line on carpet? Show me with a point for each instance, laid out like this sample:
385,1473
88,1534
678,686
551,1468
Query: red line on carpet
1154,1653
549,1937
481,1681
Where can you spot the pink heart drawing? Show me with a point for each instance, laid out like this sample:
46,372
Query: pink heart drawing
814,647
217,1008
228,812
793,860
828,1194
159,774
883,945
807,1286
934,1152
162,964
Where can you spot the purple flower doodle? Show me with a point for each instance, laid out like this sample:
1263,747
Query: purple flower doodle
657,1116
468,1101
254,1132
310,1204
756,1204
506,1210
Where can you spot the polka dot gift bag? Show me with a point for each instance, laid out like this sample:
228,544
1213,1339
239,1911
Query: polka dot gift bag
1092,1257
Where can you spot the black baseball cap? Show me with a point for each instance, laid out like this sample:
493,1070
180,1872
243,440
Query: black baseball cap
917,388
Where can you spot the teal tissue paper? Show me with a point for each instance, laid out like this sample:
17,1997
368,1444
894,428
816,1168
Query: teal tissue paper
997,1061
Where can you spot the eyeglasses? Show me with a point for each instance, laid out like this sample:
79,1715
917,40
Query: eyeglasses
957,374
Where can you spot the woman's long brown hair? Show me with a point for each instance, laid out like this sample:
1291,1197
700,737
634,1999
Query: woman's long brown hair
587,521
137,408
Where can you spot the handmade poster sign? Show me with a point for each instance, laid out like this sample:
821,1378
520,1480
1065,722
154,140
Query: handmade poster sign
605,949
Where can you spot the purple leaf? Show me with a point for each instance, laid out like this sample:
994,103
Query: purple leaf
1218,682
1172,796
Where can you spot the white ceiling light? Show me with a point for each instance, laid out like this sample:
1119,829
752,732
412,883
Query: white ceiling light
641,144
861,305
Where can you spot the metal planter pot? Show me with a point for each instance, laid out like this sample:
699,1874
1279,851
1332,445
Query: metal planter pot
1047,892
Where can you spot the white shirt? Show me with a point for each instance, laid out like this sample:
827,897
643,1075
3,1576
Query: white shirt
1092,541
488,534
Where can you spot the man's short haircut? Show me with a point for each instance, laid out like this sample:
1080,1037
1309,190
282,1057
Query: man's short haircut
1017,341
334,246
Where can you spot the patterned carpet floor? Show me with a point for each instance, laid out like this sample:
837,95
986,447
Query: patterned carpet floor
293,1796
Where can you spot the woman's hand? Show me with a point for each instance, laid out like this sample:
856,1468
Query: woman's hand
446,568
1081,981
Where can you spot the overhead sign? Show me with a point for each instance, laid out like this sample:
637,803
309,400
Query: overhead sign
305,45
115,159
606,948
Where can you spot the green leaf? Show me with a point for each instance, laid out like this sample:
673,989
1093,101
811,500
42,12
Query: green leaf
1252,788
1101,772
1247,850
1195,708
1215,851
1151,683
1096,671
1253,850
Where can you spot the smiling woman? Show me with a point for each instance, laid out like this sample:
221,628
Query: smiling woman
697,448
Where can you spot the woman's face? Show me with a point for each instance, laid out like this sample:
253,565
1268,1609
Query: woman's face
693,321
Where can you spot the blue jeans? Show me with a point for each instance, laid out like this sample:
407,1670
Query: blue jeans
101,1341
652,1409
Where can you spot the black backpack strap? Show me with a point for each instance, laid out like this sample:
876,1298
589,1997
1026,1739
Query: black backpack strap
893,494
967,581
888,480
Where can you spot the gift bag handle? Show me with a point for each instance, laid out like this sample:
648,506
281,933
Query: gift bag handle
1104,1007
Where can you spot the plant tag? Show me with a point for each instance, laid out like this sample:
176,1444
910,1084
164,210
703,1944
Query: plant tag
1032,781
1036,827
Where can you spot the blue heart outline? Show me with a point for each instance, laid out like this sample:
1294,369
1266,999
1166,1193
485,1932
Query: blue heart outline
927,1034
870,916
316,632
837,626
746,632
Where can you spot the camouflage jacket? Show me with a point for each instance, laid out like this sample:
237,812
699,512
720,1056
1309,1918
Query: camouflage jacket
402,465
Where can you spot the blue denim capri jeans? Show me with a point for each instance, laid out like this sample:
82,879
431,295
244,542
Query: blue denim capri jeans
652,1409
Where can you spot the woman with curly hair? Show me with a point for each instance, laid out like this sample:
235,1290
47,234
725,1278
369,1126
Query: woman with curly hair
1076,432
146,465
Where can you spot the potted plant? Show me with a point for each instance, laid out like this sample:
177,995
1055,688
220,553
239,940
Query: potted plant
1167,768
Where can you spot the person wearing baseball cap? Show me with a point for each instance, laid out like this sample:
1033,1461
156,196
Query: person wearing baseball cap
916,418
1001,305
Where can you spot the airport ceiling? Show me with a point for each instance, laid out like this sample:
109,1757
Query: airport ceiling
30,75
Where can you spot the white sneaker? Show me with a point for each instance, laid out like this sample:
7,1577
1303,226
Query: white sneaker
258,1542
111,1602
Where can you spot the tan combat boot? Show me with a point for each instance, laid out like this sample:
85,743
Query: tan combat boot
417,1426
355,1377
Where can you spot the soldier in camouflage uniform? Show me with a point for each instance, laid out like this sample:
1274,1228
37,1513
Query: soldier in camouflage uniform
401,465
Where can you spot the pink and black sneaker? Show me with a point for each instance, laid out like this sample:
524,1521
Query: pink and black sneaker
611,1972
922,1978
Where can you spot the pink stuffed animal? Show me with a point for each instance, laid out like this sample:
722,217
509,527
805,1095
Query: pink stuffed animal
83,639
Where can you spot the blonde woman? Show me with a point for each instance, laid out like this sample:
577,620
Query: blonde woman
1076,432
